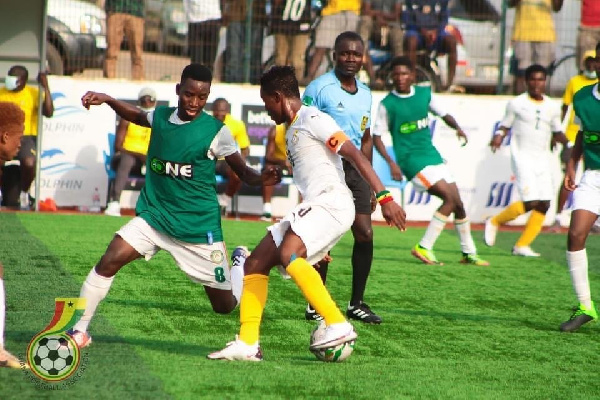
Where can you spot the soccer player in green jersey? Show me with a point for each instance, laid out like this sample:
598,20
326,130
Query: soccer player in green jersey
12,124
177,210
586,199
405,114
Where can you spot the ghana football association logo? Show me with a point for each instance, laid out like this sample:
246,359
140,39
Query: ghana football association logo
52,354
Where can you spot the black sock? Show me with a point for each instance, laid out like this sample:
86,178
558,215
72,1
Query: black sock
362,258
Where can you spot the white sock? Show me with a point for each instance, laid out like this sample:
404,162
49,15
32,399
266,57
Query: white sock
2,311
578,268
267,208
236,272
463,228
435,228
94,290
557,218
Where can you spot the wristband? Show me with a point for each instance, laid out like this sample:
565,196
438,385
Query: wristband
386,200
499,132
379,196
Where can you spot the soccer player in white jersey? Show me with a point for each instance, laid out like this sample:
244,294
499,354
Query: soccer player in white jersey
534,123
314,145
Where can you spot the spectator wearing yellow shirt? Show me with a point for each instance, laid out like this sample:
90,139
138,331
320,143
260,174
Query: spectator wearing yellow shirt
275,154
533,35
17,91
131,147
585,78
337,17
221,110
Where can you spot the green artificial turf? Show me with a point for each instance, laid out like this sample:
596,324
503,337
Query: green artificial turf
449,332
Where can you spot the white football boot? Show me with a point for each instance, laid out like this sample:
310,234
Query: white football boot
490,232
524,251
335,334
238,351
113,208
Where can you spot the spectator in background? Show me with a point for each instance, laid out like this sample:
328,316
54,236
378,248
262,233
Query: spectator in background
234,16
17,91
131,147
589,30
380,24
221,110
204,22
585,78
275,154
533,35
124,17
337,17
290,25
425,22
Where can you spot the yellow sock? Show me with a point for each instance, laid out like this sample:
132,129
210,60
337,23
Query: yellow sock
532,228
509,213
309,282
252,304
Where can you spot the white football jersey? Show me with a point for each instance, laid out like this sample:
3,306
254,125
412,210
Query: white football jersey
533,123
316,168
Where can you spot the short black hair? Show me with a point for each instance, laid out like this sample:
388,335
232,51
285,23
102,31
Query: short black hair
532,69
221,99
280,78
348,35
19,70
197,72
402,60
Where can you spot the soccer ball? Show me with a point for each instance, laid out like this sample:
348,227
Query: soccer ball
331,354
53,355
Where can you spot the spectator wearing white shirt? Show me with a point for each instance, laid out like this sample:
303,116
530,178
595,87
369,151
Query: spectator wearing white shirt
204,22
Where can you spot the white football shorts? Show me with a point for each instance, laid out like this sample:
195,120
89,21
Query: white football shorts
206,264
587,194
430,175
534,178
320,223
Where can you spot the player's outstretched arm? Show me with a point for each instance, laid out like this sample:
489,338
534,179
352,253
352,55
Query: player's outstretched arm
394,168
451,122
572,163
270,176
392,212
125,110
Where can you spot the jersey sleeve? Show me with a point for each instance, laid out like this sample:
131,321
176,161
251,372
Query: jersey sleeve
309,97
150,117
326,130
509,115
436,108
223,144
568,95
555,122
380,127
243,140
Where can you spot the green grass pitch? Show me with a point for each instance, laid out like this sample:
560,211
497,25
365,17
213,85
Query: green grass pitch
449,332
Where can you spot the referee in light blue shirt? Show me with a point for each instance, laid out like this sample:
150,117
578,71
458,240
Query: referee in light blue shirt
339,94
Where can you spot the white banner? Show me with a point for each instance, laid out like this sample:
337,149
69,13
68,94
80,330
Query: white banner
77,146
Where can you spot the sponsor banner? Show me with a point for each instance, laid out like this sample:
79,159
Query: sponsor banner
77,146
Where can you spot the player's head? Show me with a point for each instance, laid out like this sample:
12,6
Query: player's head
221,108
403,72
147,98
193,91
16,79
12,124
279,86
589,64
535,79
348,52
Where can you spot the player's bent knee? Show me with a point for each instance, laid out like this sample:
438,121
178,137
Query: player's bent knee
224,308
576,239
543,207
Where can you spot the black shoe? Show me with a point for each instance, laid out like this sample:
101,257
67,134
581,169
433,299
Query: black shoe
312,315
362,312
581,315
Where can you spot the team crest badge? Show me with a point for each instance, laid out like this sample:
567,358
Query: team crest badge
216,256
